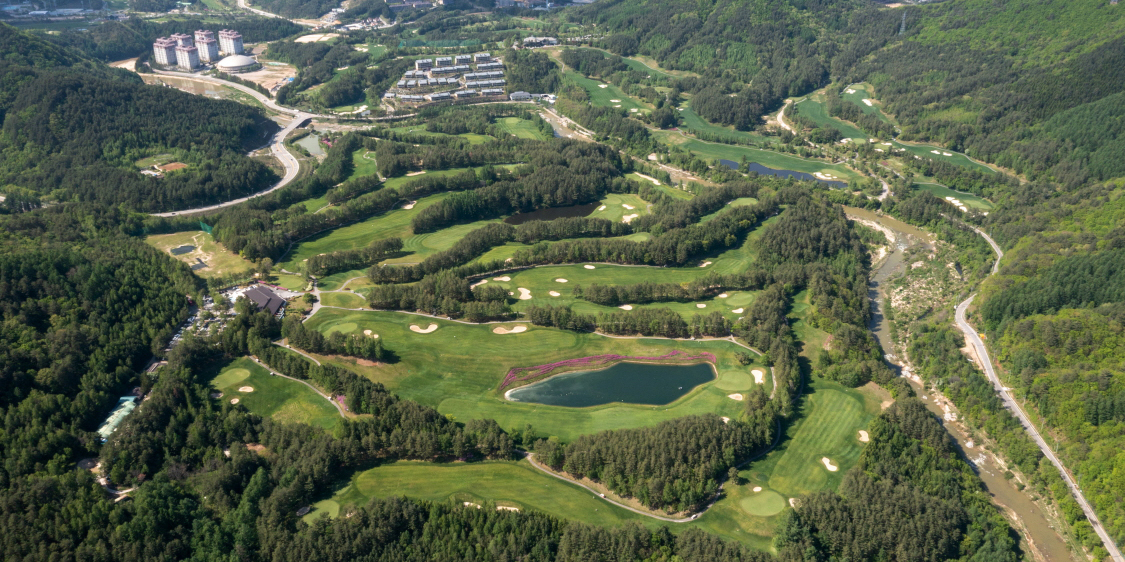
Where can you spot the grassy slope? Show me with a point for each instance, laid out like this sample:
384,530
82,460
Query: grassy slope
281,399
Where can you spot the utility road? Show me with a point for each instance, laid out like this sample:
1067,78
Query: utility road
277,146
1011,404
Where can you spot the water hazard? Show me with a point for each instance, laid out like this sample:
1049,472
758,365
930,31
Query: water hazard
762,170
311,143
632,383
1037,528
552,213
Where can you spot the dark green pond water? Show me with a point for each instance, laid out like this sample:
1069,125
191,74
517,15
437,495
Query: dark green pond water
633,383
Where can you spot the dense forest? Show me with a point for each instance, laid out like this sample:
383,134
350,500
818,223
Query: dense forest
74,131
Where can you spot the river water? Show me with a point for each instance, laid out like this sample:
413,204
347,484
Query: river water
1038,532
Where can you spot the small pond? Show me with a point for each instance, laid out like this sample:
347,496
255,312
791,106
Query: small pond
311,143
181,250
633,383
552,213
762,170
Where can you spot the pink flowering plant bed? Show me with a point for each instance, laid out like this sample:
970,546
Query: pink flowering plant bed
522,375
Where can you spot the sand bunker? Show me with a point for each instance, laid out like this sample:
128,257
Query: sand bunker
554,293
617,105
628,206
828,464
560,280
412,174
471,504
626,307
738,310
726,419
234,401
735,396
946,154
700,305
705,264
793,503
723,296
478,283
602,86
863,436
216,395
867,102
849,91
759,376
588,266
629,218
503,330
430,328
409,205
602,208
524,294
757,488
246,389
614,101
371,334
504,507
504,278
634,110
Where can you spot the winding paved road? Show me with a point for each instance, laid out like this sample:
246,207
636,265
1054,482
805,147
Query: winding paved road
277,146
1013,406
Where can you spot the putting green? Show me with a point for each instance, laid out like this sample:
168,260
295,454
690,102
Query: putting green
230,377
734,380
763,504
345,328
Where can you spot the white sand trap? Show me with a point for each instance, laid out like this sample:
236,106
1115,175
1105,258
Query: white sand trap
723,296
554,293
506,508
946,154
848,91
614,101
738,310
617,105
629,218
587,266
234,401
602,208
371,334
705,264
410,205
504,278
759,376
626,307
793,503
430,328
867,101
628,206
412,174
700,305
737,397
602,86
524,294
935,152
478,284
634,110
649,178
726,419
471,504
828,464
503,330
863,436
560,280
757,488
246,389
878,150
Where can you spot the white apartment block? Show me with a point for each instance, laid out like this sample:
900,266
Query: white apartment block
230,42
164,51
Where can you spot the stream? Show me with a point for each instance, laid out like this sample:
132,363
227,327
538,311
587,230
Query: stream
1037,532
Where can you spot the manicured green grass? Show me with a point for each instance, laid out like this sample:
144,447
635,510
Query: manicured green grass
364,163
693,122
153,160
342,300
473,138
939,153
767,158
864,91
275,397
605,96
459,368
521,128
740,202
387,225
615,209
220,261
818,113
968,199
